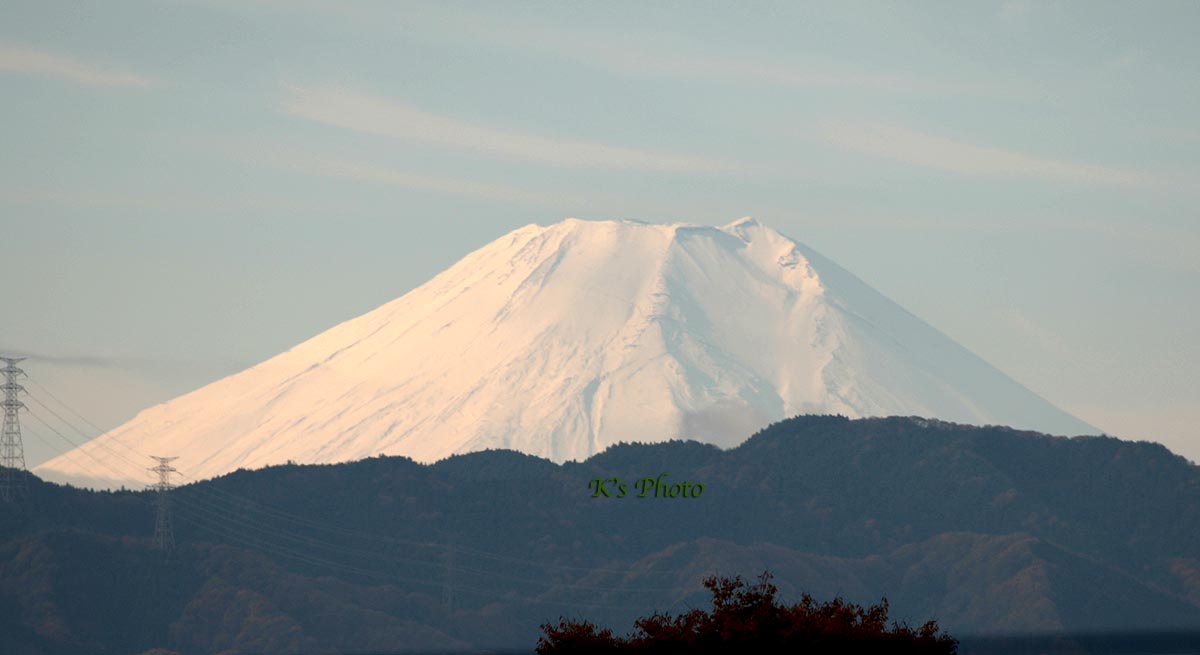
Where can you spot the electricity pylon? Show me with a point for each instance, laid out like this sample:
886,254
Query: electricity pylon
12,451
164,531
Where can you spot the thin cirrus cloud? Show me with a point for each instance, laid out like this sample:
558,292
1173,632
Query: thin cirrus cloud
673,58
797,74
317,165
23,60
391,118
649,54
392,177
129,364
941,153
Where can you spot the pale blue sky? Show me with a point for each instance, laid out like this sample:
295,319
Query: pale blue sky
189,187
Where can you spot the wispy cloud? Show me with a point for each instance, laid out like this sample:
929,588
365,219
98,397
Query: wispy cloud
670,56
1171,134
391,118
648,53
85,361
130,364
1033,332
1014,9
809,74
297,160
945,154
39,63
689,64
392,177
138,197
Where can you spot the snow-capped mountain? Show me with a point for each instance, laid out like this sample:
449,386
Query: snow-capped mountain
562,340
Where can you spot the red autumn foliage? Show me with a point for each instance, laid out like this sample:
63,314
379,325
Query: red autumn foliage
748,618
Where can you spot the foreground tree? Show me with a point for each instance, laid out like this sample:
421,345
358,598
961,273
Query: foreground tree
748,618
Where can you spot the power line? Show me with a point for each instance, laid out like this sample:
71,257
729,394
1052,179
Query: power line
236,502
81,417
214,523
207,502
209,509
90,440
78,448
216,520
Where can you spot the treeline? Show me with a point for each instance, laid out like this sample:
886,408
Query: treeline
479,550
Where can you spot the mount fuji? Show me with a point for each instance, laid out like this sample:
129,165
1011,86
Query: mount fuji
562,340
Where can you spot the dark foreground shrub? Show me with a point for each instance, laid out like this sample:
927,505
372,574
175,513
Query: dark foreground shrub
748,618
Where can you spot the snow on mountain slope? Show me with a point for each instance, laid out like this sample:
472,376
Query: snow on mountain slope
562,340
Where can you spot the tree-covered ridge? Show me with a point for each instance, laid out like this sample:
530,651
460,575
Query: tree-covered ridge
983,528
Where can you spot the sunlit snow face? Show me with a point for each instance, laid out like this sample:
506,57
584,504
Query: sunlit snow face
560,341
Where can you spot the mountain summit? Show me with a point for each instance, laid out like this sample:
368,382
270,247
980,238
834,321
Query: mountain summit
560,341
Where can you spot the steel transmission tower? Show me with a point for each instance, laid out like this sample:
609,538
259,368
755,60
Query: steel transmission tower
12,451
164,531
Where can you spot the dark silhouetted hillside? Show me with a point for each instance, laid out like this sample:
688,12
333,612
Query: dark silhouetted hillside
984,529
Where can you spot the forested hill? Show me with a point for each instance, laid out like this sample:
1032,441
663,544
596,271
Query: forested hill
985,529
